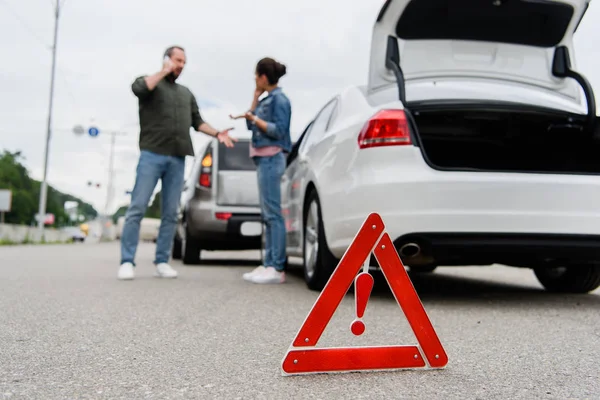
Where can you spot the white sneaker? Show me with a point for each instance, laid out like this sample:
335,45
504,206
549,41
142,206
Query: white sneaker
126,271
248,275
268,275
164,270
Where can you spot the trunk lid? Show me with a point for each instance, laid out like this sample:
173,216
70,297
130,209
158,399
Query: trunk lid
506,40
236,176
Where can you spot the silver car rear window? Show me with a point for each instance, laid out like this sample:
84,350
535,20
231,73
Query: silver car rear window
236,158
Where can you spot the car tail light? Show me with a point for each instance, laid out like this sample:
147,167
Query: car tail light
222,216
205,180
207,160
386,128
206,171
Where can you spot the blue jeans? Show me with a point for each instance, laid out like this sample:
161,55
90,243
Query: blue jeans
269,171
152,167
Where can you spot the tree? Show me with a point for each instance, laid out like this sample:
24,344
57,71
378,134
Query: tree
119,213
154,209
26,192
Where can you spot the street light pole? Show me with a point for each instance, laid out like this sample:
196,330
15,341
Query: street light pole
109,188
44,186
110,185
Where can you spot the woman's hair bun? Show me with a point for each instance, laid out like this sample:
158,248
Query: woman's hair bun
281,69
271,68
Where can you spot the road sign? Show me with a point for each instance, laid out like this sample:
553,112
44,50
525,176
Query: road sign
5,200
48,218
69,205
78,130
93,131
304,358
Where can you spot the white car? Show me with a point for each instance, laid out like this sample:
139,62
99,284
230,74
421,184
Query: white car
75,233
149,228
474,139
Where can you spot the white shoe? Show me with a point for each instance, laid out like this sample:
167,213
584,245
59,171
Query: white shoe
248,275
268,275
126,271
164,270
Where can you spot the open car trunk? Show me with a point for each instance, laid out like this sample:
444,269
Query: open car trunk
510,138
526,43
500,40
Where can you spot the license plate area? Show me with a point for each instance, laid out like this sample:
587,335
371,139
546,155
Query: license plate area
251,229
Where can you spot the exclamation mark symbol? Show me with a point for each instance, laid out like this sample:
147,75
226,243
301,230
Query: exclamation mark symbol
363,284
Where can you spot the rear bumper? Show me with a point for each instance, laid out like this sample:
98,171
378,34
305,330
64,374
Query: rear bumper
476,206
224,234
519,250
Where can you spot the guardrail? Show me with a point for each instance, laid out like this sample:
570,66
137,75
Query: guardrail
22,234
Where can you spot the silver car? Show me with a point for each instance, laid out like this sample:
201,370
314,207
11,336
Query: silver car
219,207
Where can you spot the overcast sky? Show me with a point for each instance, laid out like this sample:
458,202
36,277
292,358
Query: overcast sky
104,44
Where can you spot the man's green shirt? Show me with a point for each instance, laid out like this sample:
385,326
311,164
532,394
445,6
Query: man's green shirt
166,115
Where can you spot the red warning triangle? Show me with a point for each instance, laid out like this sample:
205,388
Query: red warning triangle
304,358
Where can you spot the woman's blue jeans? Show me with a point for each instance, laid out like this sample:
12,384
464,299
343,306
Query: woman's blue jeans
270,170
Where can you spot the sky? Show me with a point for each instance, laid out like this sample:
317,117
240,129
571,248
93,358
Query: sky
104,44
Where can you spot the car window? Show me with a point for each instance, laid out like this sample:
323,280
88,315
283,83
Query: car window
236,158
319,126
334,114
294,152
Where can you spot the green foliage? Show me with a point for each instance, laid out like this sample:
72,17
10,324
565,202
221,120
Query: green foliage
119,213
26,194
153,211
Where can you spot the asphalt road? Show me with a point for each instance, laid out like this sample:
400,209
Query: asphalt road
70,330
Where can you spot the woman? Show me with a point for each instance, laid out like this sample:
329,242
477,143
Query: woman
269,121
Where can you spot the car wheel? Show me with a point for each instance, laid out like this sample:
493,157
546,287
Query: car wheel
190,248
176,253
318,262
571,279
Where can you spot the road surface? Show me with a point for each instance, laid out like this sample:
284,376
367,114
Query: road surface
71,330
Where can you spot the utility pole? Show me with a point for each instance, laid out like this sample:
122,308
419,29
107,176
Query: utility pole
109,188
44,186
110,185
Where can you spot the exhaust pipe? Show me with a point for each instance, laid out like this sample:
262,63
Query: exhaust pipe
410,250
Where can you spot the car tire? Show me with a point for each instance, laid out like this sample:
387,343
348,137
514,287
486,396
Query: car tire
571,279
190,248
176,253
318,262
